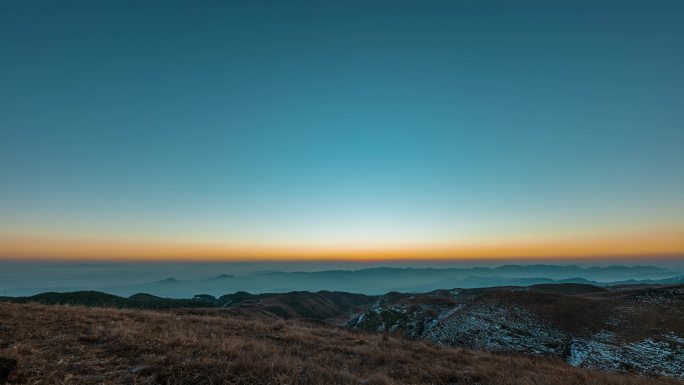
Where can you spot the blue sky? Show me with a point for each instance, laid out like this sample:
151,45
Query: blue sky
341,123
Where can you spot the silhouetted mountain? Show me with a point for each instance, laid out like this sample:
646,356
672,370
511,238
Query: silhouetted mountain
375,281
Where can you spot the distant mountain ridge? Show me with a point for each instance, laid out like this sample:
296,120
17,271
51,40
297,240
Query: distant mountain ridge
376,281
369,281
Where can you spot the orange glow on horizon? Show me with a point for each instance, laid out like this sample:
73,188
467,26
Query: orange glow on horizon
616,245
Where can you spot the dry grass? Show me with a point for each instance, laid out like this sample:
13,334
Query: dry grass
73,345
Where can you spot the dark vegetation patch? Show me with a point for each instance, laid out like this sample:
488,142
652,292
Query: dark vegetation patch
567,288
6,367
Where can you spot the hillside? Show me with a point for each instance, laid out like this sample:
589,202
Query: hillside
98,299
627,330
323,305
76,345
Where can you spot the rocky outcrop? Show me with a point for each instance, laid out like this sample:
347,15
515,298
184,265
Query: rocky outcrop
479,323
648,356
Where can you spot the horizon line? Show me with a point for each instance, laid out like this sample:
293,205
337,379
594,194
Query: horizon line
629,246
519,259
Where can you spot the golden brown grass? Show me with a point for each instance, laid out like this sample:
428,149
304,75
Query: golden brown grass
73,345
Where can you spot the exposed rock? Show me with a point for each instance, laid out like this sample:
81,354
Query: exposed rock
494,323
602,351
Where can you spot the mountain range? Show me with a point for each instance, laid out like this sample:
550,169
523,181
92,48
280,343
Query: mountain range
370,281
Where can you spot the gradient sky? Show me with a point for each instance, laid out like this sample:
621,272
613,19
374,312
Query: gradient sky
341,128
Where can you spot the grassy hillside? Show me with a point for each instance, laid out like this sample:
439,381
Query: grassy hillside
321,305
76,345
96,298
567,288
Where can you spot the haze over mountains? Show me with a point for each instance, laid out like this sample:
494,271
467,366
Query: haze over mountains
187,280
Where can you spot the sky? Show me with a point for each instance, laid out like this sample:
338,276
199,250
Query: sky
246,130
